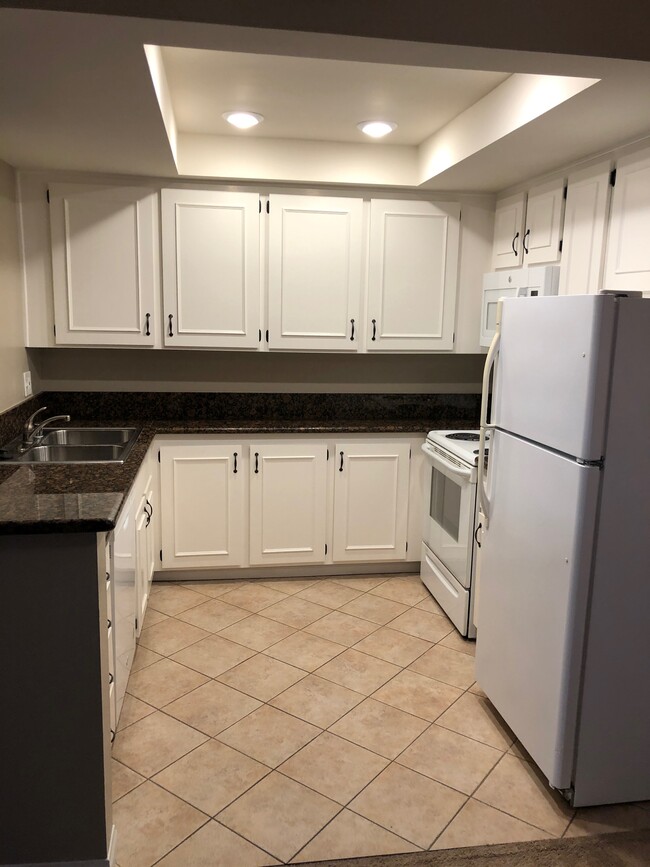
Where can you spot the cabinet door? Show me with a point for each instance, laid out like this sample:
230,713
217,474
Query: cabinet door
627,265
507,250
412,276
211,269
544,212
288,503
123,579
201,496
141,562
585,220
371,496
104,264
315,252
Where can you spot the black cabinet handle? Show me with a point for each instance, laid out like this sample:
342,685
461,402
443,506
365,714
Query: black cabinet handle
374,329
147,317
257,462
235,456
108,577
476,535
109,624
352,324
112,735
526,234
147,513
171,329
341,464
110,678
514,250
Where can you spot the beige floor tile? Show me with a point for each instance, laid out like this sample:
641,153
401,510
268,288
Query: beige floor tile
317,701
269,735
607,819
170,636
173,598
417,694
475,717
456,642
407,589
380,728
374,608
152,617
213,589
257,632
393,646
450,758
262,677
162,682
330,594
334,767
289,586
212,708
133,710
518,788
358,671
361,582
211,777
479,825
253,597
446,665
408,804
150,822
351,836
296,612
429,604
143,658
342,628
213,655
216,846
213,615
153,743
423,624
305,651
279,815
123,779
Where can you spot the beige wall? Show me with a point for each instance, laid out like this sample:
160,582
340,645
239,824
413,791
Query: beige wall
13,358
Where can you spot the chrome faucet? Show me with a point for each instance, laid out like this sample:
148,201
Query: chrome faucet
33,434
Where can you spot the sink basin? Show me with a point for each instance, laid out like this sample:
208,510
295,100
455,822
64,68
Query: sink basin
86,436
71,454
75,446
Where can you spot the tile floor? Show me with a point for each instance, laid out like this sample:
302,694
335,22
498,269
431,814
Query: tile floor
287,721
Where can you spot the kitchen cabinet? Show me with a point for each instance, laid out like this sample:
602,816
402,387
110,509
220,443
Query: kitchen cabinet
627,263
371,500
211,269
202,505
315,270
528,227
123,570
288,502
412,276
104,264
507,250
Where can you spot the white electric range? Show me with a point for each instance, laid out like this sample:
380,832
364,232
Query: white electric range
449,535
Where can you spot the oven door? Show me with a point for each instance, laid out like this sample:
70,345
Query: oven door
449,523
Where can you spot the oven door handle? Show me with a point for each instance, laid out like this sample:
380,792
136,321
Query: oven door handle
444,466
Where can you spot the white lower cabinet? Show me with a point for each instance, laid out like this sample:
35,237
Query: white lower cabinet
371,498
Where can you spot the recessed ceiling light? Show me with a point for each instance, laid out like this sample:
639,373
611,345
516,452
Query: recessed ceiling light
242,119
376,128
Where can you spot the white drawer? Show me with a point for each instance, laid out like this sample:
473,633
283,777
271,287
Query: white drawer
448,593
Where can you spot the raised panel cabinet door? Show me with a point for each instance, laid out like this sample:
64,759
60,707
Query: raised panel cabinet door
142,563
412,276
104,264
507,249
288,503
544,212
627,264
371,498
585,221
315,257
201,496
211,269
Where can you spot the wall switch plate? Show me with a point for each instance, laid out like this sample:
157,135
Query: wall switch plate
27,383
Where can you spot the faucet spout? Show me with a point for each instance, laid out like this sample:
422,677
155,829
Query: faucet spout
33,434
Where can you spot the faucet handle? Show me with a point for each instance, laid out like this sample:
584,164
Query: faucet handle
29,424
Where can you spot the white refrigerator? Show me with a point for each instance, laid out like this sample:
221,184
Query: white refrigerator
563,609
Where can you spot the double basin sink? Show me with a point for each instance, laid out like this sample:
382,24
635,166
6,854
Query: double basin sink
75,446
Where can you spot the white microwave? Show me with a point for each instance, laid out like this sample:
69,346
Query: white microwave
516,283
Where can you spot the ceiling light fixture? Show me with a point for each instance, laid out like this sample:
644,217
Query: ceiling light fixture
376,128
242,119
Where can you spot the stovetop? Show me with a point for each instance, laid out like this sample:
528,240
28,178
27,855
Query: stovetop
463,444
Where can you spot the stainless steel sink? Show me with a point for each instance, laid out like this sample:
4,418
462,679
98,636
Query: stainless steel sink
75,446
80,436
71,454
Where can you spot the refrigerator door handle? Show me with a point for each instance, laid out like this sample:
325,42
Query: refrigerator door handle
490,365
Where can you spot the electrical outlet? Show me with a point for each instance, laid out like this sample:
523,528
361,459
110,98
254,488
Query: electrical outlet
27,383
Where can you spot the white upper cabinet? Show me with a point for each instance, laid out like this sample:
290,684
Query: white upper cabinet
627,265
315,256
211,269
544,212
412,276
507,251
371,499
104,264
585,221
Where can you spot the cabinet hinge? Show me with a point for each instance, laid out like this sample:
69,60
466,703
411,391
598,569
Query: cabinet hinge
326,549
54,329
328,454
161,555
566,191
268,207
612,177
48,195
453,337
561,242
460,216
260,335
410,453
267,335
407,546
260,204
136,624
158,455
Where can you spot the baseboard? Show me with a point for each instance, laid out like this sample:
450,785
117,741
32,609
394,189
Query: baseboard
270,572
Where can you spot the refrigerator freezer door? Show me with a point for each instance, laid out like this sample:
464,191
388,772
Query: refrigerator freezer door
535,575
552,381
